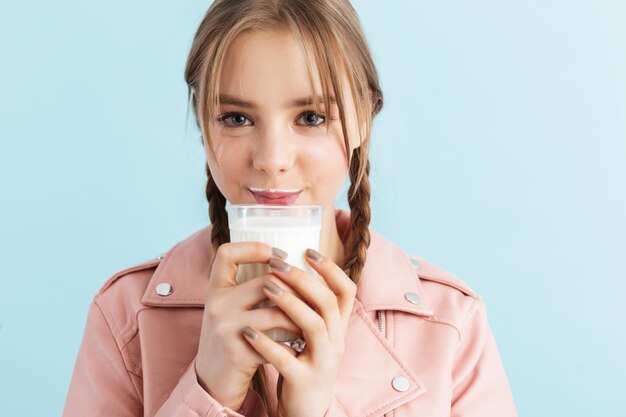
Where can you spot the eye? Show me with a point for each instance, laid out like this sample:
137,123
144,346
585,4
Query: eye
233,119
313,118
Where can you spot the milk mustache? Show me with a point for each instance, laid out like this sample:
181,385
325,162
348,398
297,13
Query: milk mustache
292,228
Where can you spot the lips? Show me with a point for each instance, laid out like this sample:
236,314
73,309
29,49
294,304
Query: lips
275,197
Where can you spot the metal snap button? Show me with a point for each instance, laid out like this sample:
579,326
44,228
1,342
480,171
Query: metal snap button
164,289
415,263
400,383
412,297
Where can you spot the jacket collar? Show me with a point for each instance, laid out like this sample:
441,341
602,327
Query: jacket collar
387,277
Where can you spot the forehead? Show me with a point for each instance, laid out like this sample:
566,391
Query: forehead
268,66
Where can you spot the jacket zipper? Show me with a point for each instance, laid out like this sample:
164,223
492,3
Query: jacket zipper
381,321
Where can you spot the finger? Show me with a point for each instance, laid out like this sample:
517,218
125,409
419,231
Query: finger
267,318
275,353
344,288
230,255
245,295
336,279
259,359
318,295
313,326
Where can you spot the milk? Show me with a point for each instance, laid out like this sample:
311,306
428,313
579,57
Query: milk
293,234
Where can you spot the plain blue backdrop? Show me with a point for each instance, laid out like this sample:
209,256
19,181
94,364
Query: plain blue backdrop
499,154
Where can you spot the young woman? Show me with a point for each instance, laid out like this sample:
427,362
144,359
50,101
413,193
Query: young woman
284,92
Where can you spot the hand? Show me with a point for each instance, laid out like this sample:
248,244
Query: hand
308,378
226,363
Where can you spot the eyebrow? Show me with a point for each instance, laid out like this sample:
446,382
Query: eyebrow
300,102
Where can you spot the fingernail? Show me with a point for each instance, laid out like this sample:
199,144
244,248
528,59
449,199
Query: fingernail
313,254
250,333
273,288
279,265
279,253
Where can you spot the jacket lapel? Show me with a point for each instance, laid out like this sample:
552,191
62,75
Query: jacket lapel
186,268
371,366
372,371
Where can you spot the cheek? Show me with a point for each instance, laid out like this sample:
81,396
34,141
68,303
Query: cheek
230,164
326,170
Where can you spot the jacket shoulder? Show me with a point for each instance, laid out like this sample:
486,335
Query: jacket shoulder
119,298
431,272
143,266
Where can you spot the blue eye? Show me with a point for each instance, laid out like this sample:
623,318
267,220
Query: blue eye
234,119
237,119
314,118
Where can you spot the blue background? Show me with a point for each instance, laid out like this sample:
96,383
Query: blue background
499,155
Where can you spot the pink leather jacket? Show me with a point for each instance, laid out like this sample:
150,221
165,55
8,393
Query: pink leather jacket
418,343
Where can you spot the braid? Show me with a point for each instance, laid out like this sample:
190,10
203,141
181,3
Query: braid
360,214
217,212
220,233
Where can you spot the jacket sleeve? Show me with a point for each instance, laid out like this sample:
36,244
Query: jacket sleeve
480,385
101,384
189,399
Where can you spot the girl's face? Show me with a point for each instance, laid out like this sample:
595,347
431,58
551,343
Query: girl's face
266,135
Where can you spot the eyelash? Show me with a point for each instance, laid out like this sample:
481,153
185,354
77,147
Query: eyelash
222,119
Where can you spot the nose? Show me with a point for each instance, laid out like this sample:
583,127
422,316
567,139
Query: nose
273,153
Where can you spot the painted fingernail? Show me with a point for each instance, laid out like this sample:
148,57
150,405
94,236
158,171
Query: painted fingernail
279,253
313,254
250,333
273,287
279,265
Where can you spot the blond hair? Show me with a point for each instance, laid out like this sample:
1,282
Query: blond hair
329,32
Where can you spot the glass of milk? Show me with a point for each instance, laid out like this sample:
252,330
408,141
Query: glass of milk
292,228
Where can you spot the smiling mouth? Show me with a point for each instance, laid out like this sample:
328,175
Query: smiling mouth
275,196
